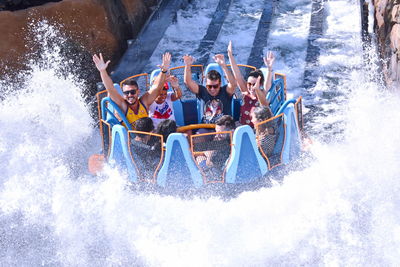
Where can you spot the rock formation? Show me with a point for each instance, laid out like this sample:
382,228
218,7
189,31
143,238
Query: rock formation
387,25
89,26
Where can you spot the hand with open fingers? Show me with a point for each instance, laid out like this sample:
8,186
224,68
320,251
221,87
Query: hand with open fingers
188,60
173,80
230,51
269,60
220,59
166,62
99,62
256,86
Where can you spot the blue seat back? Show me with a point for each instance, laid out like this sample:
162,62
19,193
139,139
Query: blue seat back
276,95
246,163
215,66
153,75
108,108
186,112
119,154
179,113
292,147
236,103
179,171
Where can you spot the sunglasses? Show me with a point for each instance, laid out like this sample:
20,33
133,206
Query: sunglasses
215,86
132,92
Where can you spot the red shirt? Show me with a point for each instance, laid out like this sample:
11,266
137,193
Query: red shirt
248,105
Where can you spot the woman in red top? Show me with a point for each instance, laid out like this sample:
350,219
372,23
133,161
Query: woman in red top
253,95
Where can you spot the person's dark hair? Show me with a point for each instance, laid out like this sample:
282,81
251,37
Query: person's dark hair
144,125
256,73
130,81
214,75
262,113
227,121
165,128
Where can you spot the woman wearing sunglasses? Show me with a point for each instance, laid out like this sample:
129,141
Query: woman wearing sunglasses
253,96
217,99
130,103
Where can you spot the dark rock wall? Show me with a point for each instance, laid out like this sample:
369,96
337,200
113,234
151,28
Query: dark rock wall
90,26
12,5
387,26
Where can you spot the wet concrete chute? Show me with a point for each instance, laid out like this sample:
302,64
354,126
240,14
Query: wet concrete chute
261,37
139,51
213,30
318,17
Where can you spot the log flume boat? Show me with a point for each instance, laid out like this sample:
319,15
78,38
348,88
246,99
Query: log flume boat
173,168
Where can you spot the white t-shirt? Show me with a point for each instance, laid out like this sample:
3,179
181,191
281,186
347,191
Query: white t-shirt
163,111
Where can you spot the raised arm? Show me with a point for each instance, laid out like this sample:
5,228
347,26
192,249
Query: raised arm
269,62
220,59
187,77
149,97
236,72
261,94
175,86
106,79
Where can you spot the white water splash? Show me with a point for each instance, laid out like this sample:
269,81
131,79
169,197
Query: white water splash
340,210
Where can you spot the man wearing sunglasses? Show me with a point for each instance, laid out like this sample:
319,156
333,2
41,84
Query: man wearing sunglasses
217,99
130,103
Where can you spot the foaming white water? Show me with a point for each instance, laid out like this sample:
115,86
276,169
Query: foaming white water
45,123
342,209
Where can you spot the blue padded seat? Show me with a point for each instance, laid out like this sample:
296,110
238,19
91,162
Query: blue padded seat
119,153
276,96
246,164
179,171
215,66
292,147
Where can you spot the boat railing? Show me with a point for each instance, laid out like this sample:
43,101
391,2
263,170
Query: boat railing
271,136
147,154
211,151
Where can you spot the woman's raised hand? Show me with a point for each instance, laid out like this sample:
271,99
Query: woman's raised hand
269,60
230,51
256,85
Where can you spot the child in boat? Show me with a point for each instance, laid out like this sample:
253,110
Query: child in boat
143,125
215,159
165,128
253,96
162,108
266,133
145,155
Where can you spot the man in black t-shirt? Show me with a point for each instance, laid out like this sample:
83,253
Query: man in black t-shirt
217,99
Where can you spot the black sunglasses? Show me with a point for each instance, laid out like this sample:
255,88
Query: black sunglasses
215,86
132,92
